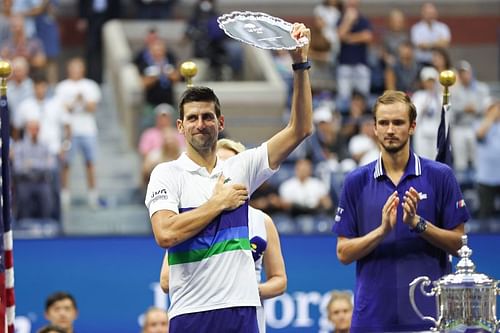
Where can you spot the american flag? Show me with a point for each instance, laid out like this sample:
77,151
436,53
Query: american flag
7,300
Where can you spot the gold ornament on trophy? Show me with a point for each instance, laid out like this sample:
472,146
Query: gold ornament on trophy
5,71
447,79
188,71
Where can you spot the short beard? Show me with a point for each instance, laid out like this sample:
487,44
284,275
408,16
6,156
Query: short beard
394,149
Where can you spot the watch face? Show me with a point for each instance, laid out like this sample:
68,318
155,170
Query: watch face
259,29
421,226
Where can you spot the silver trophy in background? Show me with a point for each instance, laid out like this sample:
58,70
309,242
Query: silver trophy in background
466,300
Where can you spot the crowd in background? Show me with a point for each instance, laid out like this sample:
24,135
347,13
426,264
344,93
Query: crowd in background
53,114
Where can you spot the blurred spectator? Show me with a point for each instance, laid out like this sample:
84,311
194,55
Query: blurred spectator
353,73
47,30
155,321
20,87
267,199
40,22
469,100
321,50
93,14
159,73
54,120
429,33
51,329
329,11
403,75
154,9
211,43
304,194
363,146
152,138
61,310
340,311
428,104
283,63
488,160
54,129
33,166
20,45
352,121
81,97
25,8
168,151
142,55
441,60
5,10
326,143
394,35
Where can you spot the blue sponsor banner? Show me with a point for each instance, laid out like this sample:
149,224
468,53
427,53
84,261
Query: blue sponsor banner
115,279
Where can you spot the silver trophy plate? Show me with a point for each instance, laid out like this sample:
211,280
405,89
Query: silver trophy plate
260,30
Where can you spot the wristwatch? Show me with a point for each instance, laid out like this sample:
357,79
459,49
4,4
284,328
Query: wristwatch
420,227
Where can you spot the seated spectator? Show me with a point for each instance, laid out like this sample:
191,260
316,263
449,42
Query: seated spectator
304,194
403,75
152,138
340,311
33,166
429,33
469,99
169,151
61,310
428,104
158,70
441,60
55,130
488,160
20,88
267,199
352,121
326,143
20,45
155,321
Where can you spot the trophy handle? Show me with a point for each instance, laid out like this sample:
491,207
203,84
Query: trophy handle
425,282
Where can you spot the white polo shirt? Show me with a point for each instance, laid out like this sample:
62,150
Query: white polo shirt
215,268
422,32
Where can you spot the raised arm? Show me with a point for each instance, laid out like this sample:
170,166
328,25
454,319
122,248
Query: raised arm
171,229
300,123
274,264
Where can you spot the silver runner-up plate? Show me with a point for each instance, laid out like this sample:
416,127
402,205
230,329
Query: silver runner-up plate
260,30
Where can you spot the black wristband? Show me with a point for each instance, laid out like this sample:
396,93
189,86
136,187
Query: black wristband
301,65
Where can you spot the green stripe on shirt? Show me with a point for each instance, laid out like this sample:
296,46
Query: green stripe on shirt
218,248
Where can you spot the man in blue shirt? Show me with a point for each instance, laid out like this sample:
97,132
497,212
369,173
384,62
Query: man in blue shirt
398,218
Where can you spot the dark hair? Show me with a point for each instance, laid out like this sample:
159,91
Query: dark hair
392,97
199,94
39,77
59,296
445,54
51,328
